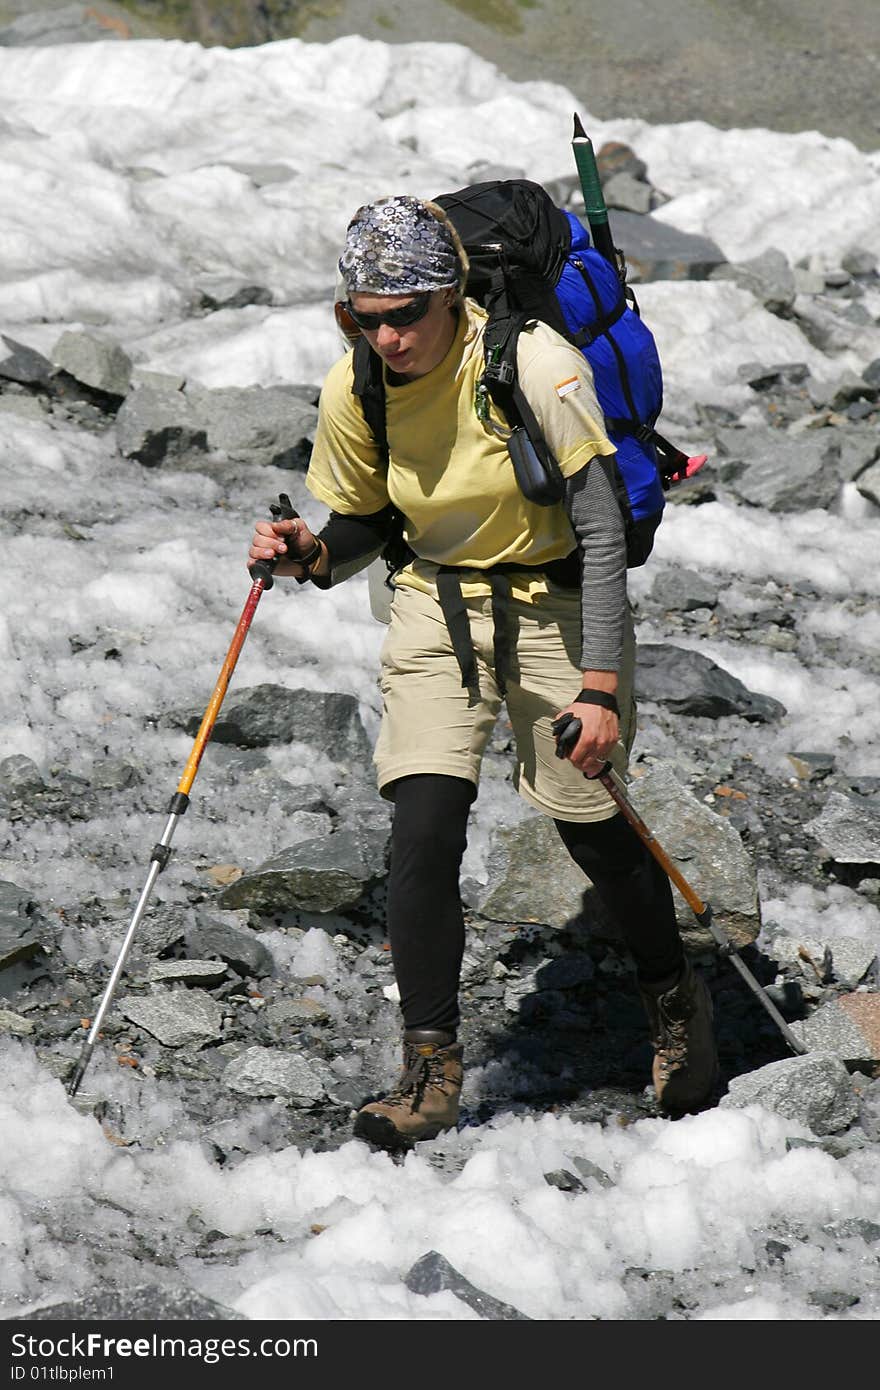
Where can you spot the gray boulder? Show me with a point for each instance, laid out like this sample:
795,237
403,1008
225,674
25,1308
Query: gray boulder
848,829
264,714
683,591
768,277
158,424
95,360
434,1274
239,949
687,682
176,1018
779,472
18,938
324,875
23,364
266,1071
256,424
848,1027
139,1303
532,879
816,1090
656,251
707,851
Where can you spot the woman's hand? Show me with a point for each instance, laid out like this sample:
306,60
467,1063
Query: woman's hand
286,540
600,730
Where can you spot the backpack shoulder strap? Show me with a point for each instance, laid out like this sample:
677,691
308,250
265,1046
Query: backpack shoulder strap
369,387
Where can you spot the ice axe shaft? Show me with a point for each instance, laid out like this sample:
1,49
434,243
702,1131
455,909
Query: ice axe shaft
261,574
567,731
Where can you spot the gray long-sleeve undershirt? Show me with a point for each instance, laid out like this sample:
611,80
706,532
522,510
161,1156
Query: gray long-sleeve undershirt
592,507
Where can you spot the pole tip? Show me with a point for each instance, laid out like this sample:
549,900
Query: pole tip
579,132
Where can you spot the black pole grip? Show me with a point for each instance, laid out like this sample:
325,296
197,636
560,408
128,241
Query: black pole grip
282,510
566,731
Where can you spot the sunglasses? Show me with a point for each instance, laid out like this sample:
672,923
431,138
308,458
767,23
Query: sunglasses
400,317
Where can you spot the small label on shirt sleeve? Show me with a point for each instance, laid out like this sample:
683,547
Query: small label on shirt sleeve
563,388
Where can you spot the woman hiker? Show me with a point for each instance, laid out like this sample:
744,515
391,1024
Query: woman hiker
501,600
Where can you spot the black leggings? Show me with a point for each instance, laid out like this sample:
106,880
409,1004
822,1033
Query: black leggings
425,919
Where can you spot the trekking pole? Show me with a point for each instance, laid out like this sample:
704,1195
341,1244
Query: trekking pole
567,731
261,574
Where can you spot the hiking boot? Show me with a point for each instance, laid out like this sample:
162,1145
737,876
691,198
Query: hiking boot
685,1061
425,1099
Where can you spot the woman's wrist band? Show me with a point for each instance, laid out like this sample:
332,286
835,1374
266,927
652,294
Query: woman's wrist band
598,697
313,557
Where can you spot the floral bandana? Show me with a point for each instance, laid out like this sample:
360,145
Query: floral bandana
398,246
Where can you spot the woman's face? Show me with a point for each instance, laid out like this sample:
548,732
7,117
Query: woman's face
416,348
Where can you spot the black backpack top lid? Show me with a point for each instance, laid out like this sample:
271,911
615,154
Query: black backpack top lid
521,217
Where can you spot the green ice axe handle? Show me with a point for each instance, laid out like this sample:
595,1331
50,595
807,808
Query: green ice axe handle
594,198
588,173
282,510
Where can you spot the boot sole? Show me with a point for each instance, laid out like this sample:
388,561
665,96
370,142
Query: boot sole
382,1133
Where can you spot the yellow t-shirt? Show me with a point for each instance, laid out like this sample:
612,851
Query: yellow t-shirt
449,472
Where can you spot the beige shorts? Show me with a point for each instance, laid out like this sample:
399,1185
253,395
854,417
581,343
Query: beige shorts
431,723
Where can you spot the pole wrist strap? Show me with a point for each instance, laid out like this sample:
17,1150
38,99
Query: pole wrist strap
598,697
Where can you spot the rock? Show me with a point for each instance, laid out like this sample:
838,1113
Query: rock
812,766
264,1071
264,714
623,191
656,251
779,472
815,1090
848,1027
155,425
682,591
160,929
139,1303
588,1170
614,157
95,360
768,277
24,365
848,830
295,1013
708,852
247,956
20,777
15,1024
434,1274
269,425
324,875
176,1017
859,262
188,972
18,939
687,682
868,483
531,876
851,958
564,1180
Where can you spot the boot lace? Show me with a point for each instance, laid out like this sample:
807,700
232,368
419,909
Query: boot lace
420,1071
671,1043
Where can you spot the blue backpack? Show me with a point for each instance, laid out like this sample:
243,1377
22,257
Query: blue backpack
530,259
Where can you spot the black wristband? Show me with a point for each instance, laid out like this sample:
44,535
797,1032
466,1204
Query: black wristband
313,557
309,559
598,697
